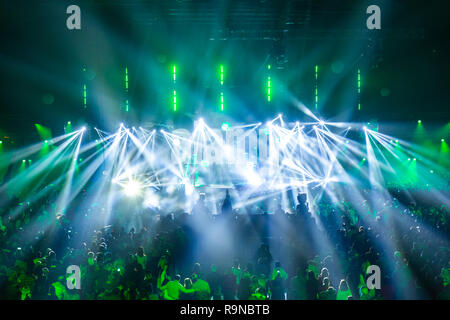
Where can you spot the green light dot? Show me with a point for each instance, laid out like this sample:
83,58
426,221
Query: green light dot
419,121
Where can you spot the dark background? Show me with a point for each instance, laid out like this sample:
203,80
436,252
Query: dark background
42,62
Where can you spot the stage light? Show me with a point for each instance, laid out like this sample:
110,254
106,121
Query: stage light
349,128
316,89
225,126
132,188
68,123
321,122
23,160
1,142
221,85
396,141
414,159
419,121
83,128
364,128
126,79
359,89
133,128
84,96
364,159
176,142
409,159
174,100
442,140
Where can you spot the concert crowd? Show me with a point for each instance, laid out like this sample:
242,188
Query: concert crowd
278,254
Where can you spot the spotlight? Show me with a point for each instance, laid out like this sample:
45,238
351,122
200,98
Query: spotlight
132,188
349,128
415,159
1,142
442,140
225,126
69,123
419,121
364,128
84,128
396,141
121,124
321,122
409,159
176,142
364,159
133,128
46,141
23,161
